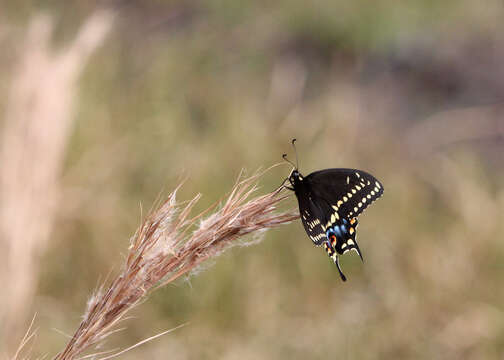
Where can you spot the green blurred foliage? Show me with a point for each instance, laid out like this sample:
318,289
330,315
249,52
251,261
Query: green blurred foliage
203,89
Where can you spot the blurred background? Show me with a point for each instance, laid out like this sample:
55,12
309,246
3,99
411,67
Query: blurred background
103,105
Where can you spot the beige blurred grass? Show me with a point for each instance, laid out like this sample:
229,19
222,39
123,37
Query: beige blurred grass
37,124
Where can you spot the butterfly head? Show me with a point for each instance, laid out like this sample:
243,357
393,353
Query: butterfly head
295,177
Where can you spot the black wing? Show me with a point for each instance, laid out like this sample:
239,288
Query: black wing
344,194
313,216
348,191
329,203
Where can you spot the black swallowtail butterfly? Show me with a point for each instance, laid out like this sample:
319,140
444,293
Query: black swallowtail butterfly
330,201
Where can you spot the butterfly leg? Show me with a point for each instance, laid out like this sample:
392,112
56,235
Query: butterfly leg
282,185
334,256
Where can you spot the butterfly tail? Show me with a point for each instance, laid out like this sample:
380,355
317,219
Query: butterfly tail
357,250
334,256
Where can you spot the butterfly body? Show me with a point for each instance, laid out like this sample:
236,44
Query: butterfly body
330,201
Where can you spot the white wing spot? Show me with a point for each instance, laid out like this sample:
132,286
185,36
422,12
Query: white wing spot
348,180
358,175
345,199
378,185
360,204
363,200
355,209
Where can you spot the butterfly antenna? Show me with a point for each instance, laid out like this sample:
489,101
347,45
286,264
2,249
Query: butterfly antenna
284,156
295,151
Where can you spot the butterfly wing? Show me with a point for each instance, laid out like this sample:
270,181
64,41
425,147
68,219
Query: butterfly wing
348,191
343,194
338,237
312,216
329,203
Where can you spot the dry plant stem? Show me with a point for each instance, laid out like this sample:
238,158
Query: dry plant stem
30,333
162,250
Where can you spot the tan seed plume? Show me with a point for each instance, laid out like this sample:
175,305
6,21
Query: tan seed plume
168,244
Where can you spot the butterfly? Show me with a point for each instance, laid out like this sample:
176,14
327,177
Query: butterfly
330,201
